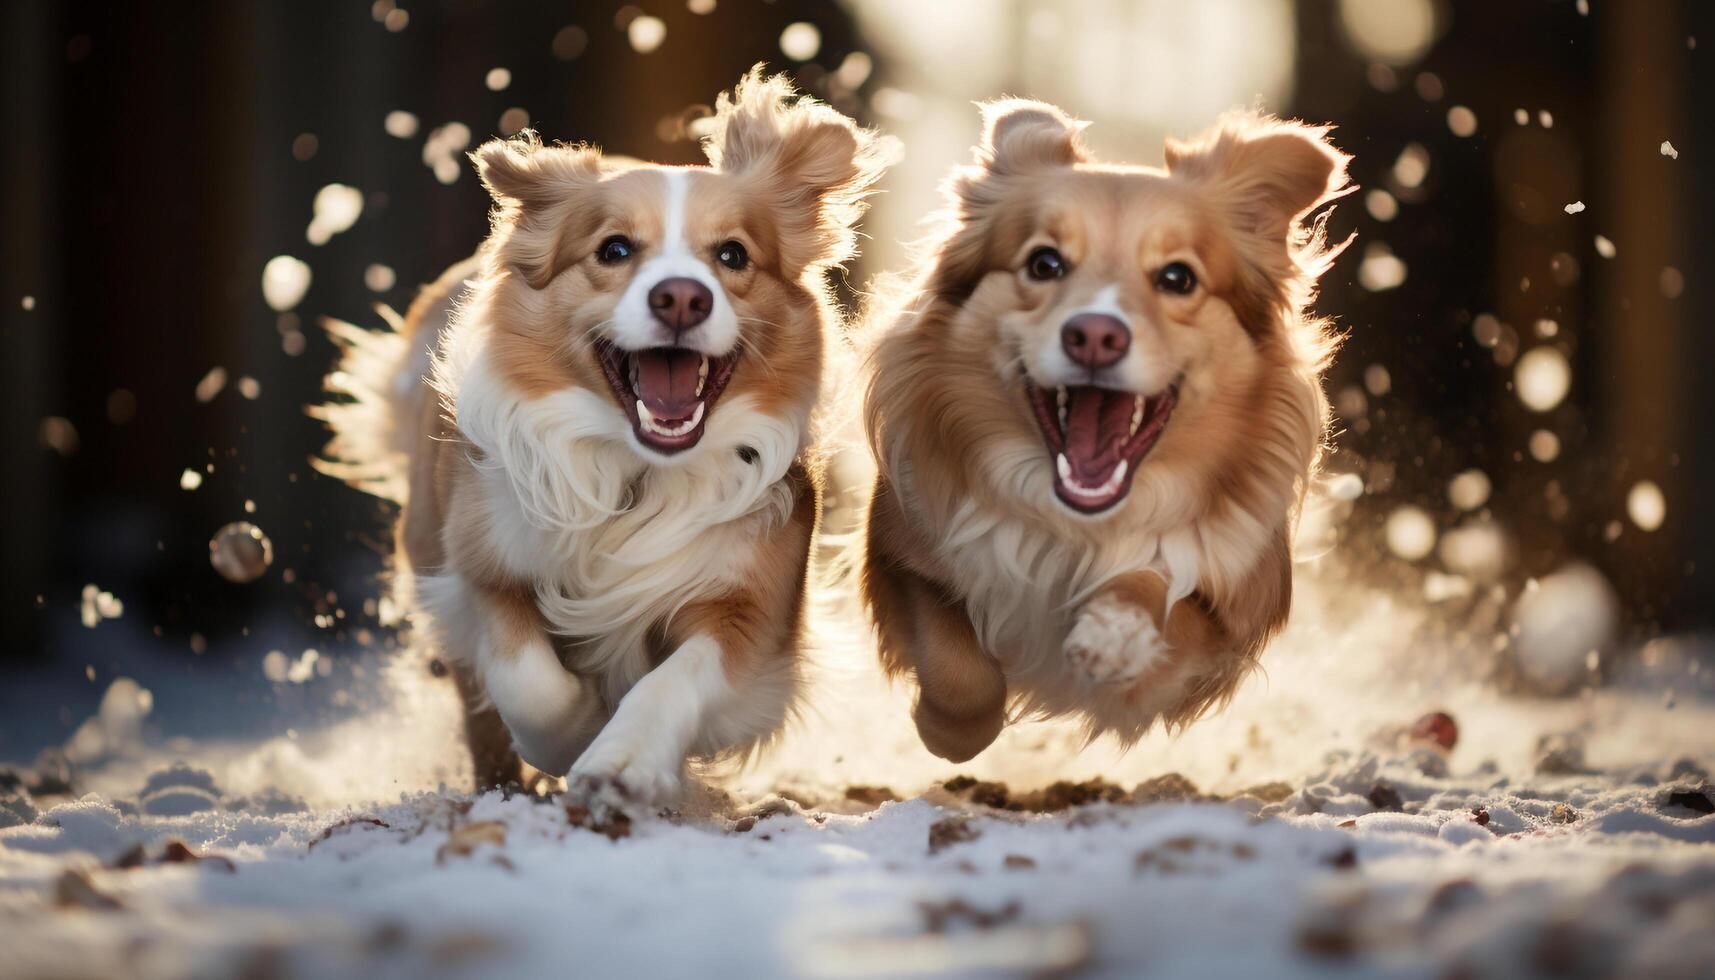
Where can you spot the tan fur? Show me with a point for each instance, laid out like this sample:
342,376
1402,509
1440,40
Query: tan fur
787,179
1201,542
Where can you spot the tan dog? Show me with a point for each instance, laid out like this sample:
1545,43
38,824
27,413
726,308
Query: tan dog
601,428
1094,424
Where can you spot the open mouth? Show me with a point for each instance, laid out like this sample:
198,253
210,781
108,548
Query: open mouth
1098,436
667,391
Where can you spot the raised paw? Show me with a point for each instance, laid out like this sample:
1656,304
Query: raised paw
1114,642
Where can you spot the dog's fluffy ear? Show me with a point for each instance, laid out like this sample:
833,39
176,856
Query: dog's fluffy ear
815,162
986,207
521,171
1270,172
1021,137
534,187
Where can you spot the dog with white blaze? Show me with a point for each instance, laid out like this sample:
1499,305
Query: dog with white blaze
1094,421
601,428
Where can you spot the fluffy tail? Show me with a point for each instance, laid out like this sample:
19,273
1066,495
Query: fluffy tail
368,447
378,390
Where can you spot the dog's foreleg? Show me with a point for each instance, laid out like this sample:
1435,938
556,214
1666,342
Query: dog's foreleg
1124,633
552,713
639,757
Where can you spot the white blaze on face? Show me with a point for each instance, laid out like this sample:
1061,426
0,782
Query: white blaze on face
1145,368
673,257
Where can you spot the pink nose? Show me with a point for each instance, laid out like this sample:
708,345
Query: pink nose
1095,340
680,303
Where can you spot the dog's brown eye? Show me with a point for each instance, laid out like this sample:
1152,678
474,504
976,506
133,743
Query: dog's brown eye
618,248
733,256
1176,277
1045,263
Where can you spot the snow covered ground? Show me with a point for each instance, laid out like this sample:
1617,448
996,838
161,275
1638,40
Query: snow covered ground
1300,832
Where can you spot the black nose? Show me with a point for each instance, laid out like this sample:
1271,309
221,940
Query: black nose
1095,340
681,303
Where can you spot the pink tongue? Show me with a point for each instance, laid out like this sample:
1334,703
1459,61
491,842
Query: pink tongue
1097,423
667,382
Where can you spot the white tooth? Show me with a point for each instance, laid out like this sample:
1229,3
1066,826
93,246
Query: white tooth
1064,467
1060,397
702,375
1115,480
1136,417
649,424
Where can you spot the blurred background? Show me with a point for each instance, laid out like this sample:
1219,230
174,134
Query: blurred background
1520,398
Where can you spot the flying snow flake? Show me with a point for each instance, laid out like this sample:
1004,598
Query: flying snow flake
514,120
1440,586
281,669
1462,121
98,605
1542,378
285,280
646,33
1412,166
379,278
274,666
441,150
1569,614
211,384
1521,117
57,433
700,6
1545,118
1410,533
1668,151
1346,486
1486,329
1576,207
240,552
400,124
1605,248
27,303
1476,548
1469,489
854,70
335,209
1583,7
1393,32
800,41
1381,205
117,725
190,479
1377,380
1672,282
497,79
1381,269
570,41
1544,446
250,388
1646,505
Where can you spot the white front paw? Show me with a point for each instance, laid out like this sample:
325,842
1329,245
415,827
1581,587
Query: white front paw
1114,642
614,776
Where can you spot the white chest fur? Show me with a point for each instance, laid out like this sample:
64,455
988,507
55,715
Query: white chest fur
615,543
